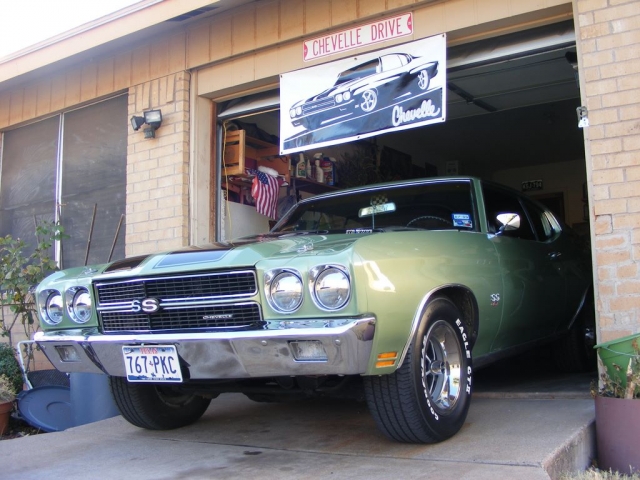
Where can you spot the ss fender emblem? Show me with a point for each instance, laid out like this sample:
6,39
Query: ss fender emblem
147,305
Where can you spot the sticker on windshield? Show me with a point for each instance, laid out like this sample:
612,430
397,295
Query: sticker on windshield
360,230
461,220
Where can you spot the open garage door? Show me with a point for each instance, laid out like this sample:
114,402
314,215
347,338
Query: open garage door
511,118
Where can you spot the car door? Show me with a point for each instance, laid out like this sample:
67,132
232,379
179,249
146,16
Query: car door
533,295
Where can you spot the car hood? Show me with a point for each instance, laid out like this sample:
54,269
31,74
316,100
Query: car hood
243,252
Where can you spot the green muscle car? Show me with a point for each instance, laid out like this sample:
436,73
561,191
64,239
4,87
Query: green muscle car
396,290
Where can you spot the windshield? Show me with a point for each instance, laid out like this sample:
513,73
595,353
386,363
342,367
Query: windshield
428,206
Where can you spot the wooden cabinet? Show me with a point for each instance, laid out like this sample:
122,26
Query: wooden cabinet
242,153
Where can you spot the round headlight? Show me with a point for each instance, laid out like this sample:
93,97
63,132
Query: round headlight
298,110
346,96
332,289
54,308
285,292
81,306
339,98
292,113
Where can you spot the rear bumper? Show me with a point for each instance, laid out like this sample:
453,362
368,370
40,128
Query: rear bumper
225,355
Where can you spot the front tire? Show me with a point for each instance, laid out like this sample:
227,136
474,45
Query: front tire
427,399
154,407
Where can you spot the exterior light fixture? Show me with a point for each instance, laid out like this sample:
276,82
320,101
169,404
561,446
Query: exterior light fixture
153,118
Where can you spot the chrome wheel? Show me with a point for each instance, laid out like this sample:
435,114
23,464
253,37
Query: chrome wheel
369,100
441,365
423,80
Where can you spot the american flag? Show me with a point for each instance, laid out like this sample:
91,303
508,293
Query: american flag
265,189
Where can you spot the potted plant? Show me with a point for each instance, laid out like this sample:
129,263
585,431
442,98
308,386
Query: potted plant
7,397
617,404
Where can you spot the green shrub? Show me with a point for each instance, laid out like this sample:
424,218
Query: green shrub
10,368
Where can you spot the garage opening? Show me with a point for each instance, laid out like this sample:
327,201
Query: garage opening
511,104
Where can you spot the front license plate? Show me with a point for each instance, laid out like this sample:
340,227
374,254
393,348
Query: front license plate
157,363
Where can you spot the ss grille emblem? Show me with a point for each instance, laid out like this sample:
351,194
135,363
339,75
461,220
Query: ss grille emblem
146,305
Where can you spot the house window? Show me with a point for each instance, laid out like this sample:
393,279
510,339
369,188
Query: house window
60,168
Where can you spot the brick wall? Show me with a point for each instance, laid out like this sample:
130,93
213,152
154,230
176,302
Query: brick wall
608,33
157,211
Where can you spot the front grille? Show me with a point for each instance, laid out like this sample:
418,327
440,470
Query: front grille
212,285
236,317
187,302
319,105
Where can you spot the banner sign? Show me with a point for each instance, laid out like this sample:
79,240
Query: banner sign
386,29
394,89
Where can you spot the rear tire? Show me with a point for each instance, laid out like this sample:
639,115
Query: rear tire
427,399
154,407
574,352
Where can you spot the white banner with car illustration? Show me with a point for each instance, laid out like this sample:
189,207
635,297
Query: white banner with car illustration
388,90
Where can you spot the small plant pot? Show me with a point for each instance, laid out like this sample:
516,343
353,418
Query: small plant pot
5,412
618,352
618,434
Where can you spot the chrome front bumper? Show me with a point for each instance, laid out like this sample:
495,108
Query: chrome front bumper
224,355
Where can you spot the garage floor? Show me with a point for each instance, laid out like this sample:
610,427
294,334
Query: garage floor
524,423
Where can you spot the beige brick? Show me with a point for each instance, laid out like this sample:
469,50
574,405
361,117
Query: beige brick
618,40
630,112
601,192
632,173
625,190
591,74
603,225
589,46
633,205
604,207
627,271
608,176
610,241
626,24
620,69
622,159
620,304
628,287
627,53
585,19
628,82
596,132
620,129
630,220
605,273
600,87
631,144
595,30
613,257
606,289
586,6
607,115
635,249
606,146
616,12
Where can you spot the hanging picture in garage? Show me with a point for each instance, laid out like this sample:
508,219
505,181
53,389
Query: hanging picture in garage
388,90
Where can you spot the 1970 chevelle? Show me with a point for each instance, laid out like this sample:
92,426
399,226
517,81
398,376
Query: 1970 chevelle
390,289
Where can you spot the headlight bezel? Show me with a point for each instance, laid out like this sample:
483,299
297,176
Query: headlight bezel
72,297
46,298
272,279
319,273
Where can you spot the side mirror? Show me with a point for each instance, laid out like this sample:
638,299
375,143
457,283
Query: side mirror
508,221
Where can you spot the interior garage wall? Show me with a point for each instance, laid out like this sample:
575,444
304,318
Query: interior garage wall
608,33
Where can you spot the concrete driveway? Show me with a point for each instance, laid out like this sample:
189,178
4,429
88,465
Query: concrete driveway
524,423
